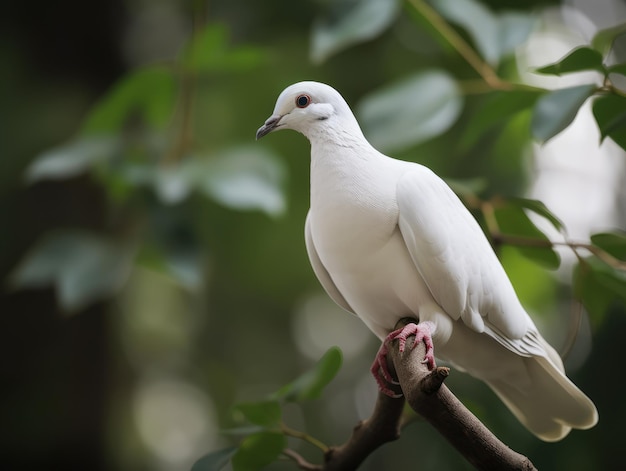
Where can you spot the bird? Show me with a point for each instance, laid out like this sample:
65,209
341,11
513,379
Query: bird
388,239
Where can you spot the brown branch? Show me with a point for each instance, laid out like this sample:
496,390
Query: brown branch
487,208
382,427
300,461
524,241
486,72
428,396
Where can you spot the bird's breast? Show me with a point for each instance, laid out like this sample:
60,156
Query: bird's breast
351,216
354,227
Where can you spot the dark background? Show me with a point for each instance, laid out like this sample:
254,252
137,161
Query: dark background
69,382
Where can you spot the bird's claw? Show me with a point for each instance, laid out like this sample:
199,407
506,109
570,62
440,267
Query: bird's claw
380,370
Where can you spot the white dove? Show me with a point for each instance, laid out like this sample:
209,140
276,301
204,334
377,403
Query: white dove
388,239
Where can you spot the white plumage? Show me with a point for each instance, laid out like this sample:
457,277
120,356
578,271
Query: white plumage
389,239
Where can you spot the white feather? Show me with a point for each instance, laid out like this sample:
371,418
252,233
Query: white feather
389,239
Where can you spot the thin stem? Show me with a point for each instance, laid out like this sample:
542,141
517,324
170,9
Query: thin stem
479,87
303,436
535,242
488,210
576,318
184,138
460,45
613,89
474,87
300,461
489,213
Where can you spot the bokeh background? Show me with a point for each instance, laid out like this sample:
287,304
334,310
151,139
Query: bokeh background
154,274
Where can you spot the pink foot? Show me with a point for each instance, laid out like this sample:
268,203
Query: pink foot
379,368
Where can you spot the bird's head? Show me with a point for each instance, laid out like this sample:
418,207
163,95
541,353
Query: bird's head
308,107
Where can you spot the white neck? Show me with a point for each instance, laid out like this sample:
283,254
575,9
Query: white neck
344,165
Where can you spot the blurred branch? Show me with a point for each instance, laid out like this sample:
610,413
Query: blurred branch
303,436
300,461
533,242
184,137
487,208
368,435
460,45
609,87
428,396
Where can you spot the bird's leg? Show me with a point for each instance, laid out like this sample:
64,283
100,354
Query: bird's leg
422,332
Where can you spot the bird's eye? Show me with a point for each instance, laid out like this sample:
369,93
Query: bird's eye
302,101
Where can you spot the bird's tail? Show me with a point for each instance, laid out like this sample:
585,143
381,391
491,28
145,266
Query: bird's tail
549,405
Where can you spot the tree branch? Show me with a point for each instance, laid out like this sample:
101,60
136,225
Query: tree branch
300,461
382,427
488,207
428,396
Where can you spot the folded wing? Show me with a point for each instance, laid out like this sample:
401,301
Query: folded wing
458,264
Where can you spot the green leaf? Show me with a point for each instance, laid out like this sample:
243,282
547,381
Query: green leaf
83,266
598,286
72,159
182,264
266,413
215,461
480,23
613,243
497,108
513,221
173,183
582,58
258,450
539,208
592,294
494,35
206,47
310,384
610,114
427,36
406,113
467,187
243,430
243,178
554,111
146,94
209,51
617,69
349,22
514,28
603,39
535,286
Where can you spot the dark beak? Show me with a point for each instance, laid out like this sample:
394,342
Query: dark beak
268,127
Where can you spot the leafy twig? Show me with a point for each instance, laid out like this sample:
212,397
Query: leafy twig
534,242
488,210
460,45
303,436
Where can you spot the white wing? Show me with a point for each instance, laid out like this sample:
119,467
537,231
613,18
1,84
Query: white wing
458,264
320,271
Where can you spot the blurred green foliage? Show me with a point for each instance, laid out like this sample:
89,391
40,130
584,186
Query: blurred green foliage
189,236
